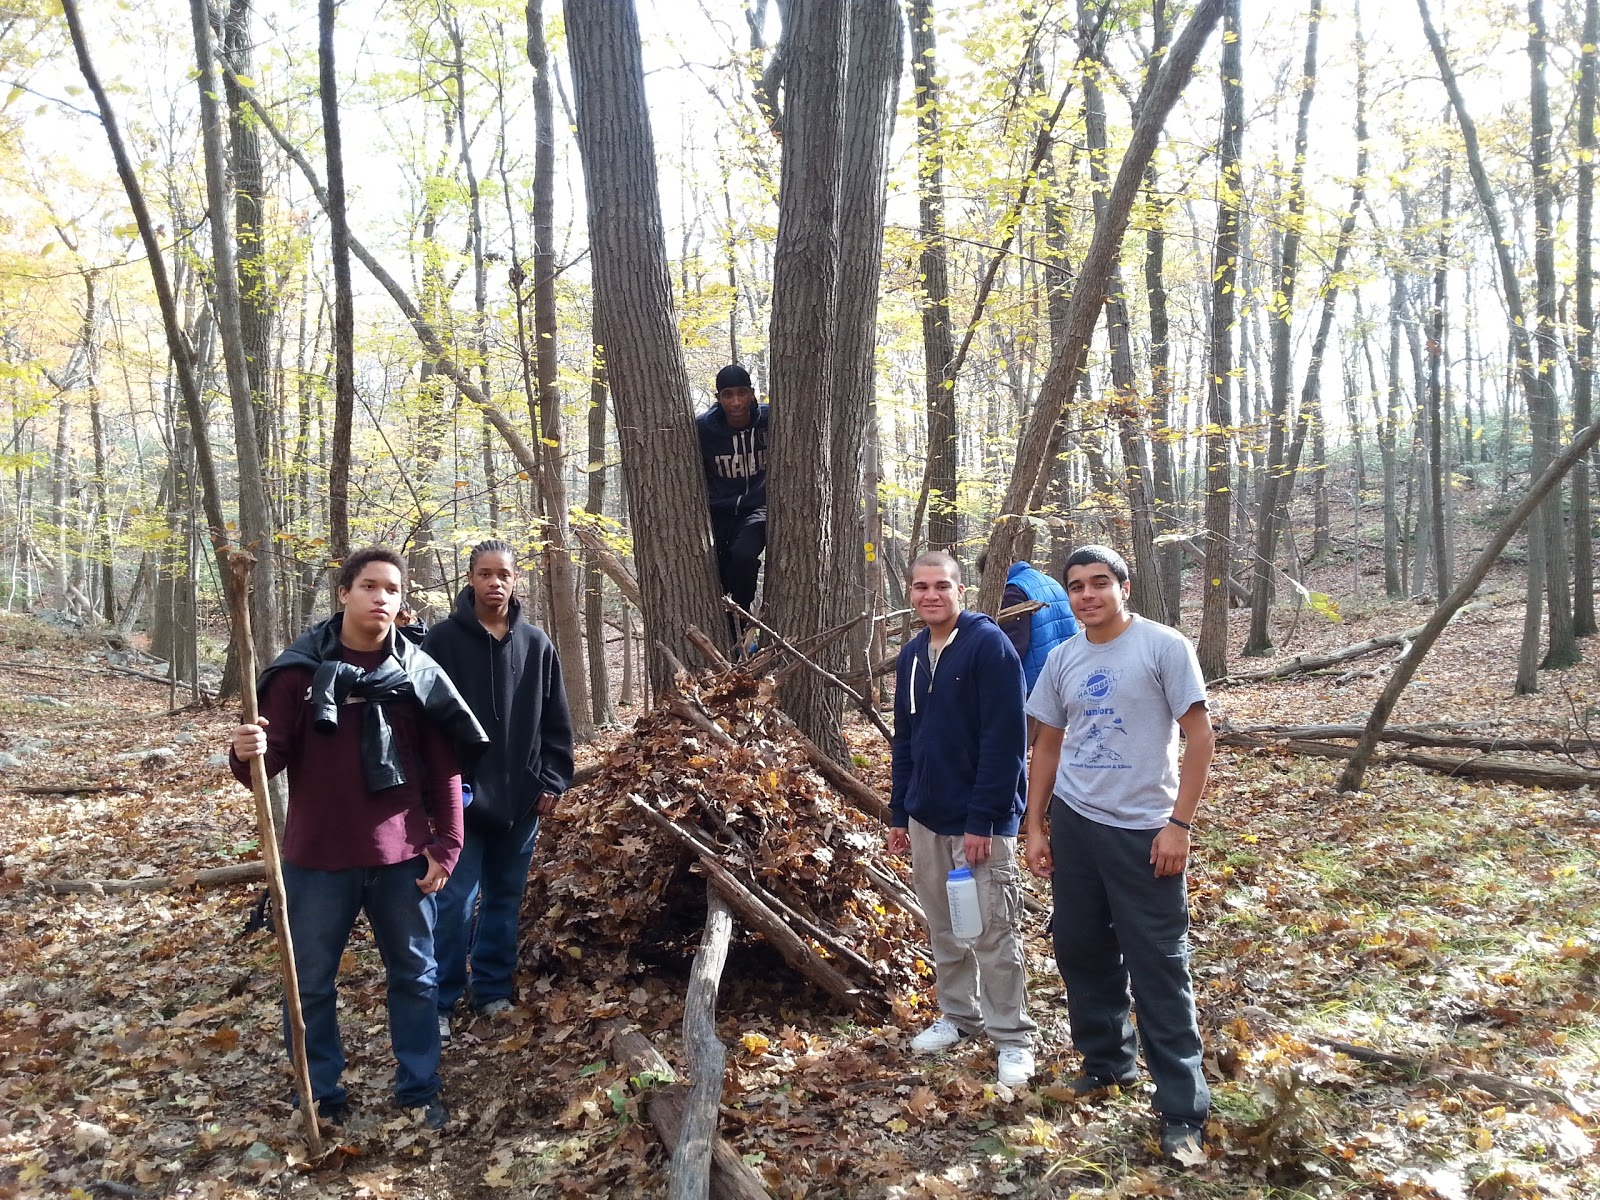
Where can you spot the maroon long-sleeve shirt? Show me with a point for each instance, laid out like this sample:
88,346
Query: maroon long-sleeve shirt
334,822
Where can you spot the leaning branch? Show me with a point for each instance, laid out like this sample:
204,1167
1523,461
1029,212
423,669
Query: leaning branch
861,702
1356,769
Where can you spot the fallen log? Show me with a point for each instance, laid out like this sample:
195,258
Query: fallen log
1497,1086
731,1177
763,920
1527,774
250,872
690,1177
1547,775
1303,663
1415,735
67,789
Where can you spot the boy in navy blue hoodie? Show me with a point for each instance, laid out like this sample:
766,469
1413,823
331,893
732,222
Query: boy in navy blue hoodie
960,744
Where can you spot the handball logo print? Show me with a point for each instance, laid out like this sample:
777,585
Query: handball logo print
1099,685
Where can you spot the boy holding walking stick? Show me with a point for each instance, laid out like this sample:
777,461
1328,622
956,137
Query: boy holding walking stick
369,729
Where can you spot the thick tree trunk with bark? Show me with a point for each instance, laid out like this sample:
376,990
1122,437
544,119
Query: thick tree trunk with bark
1213,643
1067,359
805,269
1563,645
644,358
876,55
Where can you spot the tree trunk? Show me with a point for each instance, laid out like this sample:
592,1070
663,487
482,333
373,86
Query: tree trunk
1583,607
344,389
1147,597
1388,429
1563,646
876,55
938,349
644,358
805,269
1521,349
1436,359
257,301
1281,319
1212,647
560,570
594,628
1068,357
255,515
101,541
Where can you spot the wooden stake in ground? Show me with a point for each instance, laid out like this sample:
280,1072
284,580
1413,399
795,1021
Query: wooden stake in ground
240,563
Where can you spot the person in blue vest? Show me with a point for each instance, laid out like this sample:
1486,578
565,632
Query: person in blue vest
1034,634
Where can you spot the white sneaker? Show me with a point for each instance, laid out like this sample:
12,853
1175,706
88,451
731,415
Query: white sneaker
941,1035
444,1028
495,1007
1016,1065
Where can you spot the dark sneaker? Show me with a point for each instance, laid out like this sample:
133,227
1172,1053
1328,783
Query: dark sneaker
334,1113
1088,1084
1183,1143
435,1115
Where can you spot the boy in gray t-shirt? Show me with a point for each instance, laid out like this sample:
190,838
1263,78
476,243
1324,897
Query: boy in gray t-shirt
1110,703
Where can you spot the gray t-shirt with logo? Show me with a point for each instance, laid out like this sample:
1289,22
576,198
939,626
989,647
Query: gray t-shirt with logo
1119,703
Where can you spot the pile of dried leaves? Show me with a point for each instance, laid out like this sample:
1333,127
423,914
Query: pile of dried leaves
735,781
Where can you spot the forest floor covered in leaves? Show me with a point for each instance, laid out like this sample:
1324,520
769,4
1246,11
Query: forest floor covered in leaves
1452,925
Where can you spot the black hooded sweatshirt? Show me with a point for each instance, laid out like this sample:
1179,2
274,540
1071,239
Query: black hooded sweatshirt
513,686
735,462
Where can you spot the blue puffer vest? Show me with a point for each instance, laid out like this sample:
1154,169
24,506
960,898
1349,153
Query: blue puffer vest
1051,625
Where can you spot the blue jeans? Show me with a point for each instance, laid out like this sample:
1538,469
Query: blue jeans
478,913
323,906
1120,929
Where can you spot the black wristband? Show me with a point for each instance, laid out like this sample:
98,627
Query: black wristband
1184,825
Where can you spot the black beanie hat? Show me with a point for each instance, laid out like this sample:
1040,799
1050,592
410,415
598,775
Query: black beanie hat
732,375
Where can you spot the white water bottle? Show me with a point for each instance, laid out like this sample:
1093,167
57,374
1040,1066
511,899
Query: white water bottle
966,918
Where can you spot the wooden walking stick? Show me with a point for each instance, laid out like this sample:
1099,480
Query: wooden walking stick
240,563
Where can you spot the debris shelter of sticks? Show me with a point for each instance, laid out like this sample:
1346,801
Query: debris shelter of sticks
716,787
